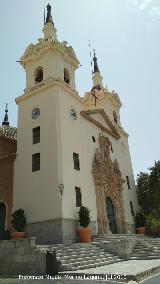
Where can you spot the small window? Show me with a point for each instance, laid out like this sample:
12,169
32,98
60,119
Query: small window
131,206
111,148
93,139
76,161
115,117
35,162
39,75
78,197
128,182
66,76
36,135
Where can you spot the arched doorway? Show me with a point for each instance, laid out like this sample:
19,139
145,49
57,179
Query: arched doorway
110,214
2,216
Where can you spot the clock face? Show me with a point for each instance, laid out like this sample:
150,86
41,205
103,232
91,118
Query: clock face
35,113
73,114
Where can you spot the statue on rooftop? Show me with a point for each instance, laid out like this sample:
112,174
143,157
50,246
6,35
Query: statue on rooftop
49,14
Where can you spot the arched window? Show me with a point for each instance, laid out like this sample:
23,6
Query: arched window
38,75
66,76
115,117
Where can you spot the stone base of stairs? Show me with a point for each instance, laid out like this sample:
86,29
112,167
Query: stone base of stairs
81,256
144,247
29,258
104,250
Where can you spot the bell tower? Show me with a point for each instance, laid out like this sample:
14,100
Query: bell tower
50,75
49,58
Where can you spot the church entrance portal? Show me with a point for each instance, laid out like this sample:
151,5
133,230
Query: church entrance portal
108,183
110,214
2,216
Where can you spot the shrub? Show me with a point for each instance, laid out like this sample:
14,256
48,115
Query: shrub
140,219
153,225
84,216
19,220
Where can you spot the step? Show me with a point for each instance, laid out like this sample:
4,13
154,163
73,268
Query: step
144,258
86,266
81,251
66,247
78,251
80,256
94,258
142,249
146,250
92,253
93,247
82,260
75,256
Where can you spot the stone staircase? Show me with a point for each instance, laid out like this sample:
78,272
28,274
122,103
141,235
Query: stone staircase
146,249
80,256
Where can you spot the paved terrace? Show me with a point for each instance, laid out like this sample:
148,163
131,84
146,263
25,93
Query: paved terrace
134,269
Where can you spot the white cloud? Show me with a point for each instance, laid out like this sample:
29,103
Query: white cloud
152,7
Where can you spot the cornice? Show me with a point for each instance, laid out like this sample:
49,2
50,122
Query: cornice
34,52
112,131
121,130
29,92
103,94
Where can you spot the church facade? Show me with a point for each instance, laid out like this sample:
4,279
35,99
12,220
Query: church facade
71,151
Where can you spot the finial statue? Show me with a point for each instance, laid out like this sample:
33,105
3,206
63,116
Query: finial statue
49,14
49,8
96,69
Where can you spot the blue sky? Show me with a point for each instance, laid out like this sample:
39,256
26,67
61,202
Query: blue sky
126,36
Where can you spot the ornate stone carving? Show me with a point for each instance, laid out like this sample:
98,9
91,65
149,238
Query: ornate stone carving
108,183
34,52
103,94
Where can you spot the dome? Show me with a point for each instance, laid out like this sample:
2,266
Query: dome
8,131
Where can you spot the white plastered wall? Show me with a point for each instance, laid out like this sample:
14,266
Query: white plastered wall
37,192
77,137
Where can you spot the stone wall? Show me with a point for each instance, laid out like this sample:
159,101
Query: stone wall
20,257
7,155
122,247
56,231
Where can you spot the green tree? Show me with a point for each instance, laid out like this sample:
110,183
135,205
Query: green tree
148,190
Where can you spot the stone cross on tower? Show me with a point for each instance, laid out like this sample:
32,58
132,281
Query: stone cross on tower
6,122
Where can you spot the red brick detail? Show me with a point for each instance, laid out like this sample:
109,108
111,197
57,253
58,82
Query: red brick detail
8,148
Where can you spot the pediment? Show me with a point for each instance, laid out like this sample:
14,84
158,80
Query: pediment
99,118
